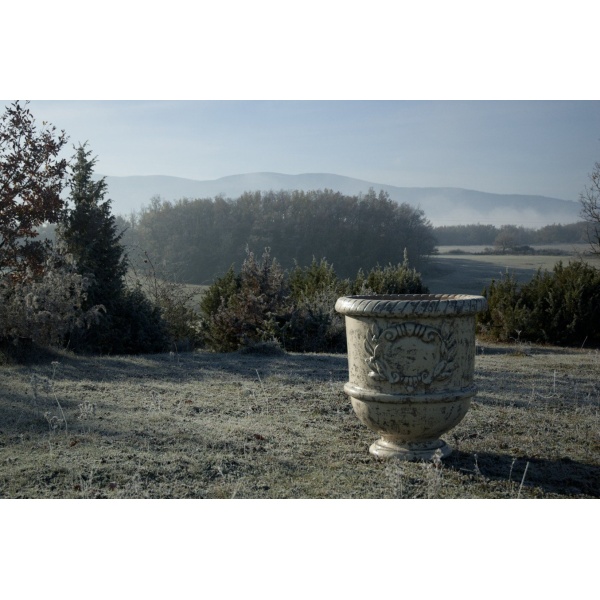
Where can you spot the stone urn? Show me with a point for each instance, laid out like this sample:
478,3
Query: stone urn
411,360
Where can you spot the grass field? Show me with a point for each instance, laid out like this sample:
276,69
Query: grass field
462,273
202,425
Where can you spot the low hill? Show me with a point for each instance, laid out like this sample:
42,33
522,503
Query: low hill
442,206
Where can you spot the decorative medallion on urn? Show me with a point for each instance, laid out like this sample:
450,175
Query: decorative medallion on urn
412,354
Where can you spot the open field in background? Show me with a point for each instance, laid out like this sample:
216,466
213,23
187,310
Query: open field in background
202,425
550,249
471,273
468,272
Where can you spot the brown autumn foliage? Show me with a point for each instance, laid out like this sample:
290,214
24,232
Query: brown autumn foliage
31,180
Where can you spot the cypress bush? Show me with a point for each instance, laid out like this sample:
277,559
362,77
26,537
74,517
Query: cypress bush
246,309
313,325
559,307
294,309
136,326
392,279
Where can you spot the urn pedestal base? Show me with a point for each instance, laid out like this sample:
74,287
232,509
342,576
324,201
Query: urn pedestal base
410,426
410,451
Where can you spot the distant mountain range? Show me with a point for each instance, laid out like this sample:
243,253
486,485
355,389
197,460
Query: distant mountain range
442,206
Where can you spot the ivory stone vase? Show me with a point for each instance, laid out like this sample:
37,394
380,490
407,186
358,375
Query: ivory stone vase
411,360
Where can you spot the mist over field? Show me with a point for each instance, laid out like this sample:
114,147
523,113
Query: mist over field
442,206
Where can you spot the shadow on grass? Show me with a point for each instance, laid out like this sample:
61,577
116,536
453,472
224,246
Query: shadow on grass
21,411
192,366
560,476
526,349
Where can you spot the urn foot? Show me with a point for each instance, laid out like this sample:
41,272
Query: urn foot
410,451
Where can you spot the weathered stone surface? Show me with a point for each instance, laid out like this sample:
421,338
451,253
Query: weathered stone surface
411,360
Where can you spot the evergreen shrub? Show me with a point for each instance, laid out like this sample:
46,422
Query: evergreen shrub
294,309
392,279
136,326
559,307
245,309
314,326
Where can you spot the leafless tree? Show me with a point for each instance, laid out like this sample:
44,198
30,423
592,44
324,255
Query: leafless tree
590,209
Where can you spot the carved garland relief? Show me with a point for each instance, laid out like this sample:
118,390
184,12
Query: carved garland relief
411,354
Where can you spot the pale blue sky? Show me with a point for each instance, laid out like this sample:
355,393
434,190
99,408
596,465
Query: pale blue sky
531,147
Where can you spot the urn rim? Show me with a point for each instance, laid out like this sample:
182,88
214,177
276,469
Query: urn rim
407,305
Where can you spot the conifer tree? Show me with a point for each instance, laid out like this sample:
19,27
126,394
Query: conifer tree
89,232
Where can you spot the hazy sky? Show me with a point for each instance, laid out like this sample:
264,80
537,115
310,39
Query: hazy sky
530,147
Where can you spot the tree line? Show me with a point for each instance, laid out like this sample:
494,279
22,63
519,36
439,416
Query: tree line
201,239
510,235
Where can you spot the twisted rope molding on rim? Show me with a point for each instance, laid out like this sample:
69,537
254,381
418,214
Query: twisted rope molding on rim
407,305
